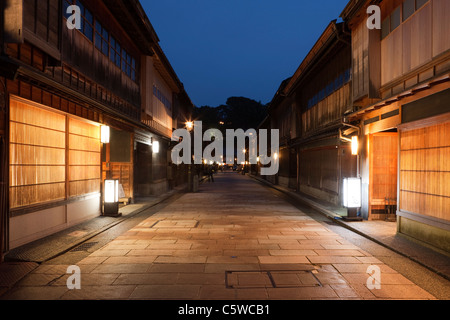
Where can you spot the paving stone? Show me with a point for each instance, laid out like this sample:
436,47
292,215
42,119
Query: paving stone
166,292
282,259
102,292
145,278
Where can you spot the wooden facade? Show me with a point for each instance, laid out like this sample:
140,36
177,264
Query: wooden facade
395,98
308,110
59,86
403,156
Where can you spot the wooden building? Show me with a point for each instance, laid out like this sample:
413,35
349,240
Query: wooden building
308,110
388,87
401,102
59,86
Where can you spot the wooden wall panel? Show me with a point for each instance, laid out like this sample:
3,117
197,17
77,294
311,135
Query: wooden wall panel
30,135
27,195
425,171
48,159
392,56
319,168
360,48
329,109
77,188
29,175
441,22
417,39
84,157
26,113
37,155
123,172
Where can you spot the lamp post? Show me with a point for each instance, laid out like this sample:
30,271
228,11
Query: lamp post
111,186
190,126
244,164
352,193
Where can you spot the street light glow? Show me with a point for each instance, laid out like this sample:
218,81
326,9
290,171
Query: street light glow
189,125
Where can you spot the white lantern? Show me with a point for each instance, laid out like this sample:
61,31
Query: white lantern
155,146
111,198
352,192
105,134
111,191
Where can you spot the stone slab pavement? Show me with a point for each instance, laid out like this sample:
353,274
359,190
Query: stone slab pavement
233,240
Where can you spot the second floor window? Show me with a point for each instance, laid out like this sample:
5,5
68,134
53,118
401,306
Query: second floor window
399,15
103,40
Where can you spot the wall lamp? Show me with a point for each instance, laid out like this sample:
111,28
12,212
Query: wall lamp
354,140
155,146
105,134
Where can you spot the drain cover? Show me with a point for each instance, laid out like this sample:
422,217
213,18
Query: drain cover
271,279
84,246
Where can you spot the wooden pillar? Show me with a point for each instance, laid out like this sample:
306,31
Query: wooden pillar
4,170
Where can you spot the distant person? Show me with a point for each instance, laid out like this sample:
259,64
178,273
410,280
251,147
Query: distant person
211,173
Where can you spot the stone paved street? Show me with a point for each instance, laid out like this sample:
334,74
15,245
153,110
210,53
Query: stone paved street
235,239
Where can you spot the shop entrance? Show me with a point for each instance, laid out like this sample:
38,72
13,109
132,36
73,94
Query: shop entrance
383,163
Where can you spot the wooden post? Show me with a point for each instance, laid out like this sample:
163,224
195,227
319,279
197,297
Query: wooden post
2,198
4,170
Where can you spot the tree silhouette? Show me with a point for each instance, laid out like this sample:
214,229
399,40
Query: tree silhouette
237,113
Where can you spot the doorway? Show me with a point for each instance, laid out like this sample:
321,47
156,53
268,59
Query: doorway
383,163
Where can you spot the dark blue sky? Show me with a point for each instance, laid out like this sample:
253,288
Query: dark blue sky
244,48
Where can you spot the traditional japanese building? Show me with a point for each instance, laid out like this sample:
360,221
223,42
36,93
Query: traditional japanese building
401,102
308,110
387,91
61,83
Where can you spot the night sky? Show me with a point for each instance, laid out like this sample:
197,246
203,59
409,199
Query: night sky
244,48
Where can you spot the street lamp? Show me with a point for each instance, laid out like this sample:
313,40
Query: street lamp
192,187
189,125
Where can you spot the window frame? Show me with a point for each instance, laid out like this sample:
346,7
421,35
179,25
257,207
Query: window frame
418,4
103,40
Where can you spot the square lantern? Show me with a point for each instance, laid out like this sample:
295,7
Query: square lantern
352,197
155,146
111,198
105,134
